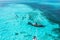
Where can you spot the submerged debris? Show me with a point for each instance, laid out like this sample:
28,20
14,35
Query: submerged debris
16,33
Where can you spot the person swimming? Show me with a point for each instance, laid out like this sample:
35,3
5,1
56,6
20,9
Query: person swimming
35,24
34,38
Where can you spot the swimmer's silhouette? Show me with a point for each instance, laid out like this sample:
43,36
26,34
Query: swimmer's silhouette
36,25
34,38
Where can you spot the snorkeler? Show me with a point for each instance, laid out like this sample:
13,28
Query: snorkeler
35,24
34,38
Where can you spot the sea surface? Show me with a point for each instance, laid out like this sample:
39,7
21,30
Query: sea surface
14,20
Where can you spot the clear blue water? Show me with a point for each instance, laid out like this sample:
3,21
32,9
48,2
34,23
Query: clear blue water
14,18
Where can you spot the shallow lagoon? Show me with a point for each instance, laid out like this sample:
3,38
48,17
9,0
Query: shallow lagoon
14,20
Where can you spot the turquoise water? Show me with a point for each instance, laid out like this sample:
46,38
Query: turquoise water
14,19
